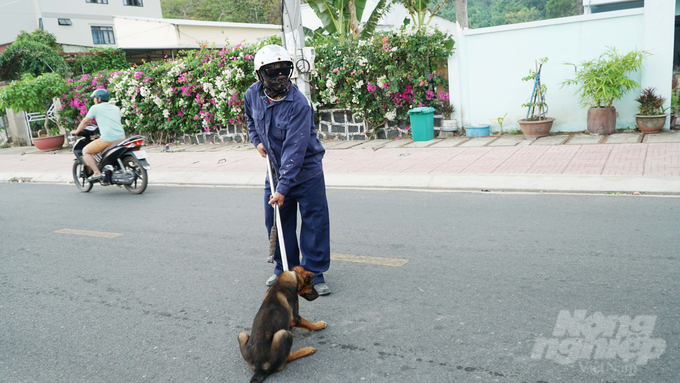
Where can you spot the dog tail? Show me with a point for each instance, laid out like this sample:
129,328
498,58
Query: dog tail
259,377
272,242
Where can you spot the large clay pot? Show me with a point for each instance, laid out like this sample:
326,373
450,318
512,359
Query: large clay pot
537,128
650,124
49,143
602,121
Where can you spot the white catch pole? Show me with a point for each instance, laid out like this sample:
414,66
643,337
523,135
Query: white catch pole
279,228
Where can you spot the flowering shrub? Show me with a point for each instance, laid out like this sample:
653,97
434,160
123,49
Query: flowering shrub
378,79
381,78
202,91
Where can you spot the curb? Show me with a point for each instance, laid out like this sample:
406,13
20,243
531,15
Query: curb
581,184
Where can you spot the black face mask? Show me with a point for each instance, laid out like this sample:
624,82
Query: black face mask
276,79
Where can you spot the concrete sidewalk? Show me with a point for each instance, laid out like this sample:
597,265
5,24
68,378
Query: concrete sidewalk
620,163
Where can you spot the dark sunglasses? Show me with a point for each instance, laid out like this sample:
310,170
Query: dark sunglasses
276,72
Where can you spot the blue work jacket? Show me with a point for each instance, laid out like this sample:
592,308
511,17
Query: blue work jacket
287,131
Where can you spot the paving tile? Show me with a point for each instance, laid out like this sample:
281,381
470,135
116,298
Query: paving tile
423,144
397,143
589,159
554,160
522,160
491,160
584,139
463,158
331,144
450,142
404,159
662,137
551,140
626,160
663,160
509,140
371,144
478,141
623,138
347,144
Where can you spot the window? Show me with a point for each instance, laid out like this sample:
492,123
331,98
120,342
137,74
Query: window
64,21
97,1
103,35
135,3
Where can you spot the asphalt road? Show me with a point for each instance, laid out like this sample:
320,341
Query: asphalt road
497,287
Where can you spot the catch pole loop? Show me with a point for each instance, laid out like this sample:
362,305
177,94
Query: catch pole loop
279,230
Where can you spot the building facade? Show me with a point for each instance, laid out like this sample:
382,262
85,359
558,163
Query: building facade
77,24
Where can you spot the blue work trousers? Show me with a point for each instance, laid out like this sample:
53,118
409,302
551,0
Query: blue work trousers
310,197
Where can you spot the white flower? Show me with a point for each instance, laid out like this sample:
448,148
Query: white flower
166,113
360,83
363,61
381,81
145,91
391,115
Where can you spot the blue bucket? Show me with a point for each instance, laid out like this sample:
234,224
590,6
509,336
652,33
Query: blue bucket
477,130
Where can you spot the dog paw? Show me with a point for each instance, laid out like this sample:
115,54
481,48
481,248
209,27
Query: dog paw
321,325
309,350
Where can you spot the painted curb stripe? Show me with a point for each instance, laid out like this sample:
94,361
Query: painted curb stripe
382,261
89,233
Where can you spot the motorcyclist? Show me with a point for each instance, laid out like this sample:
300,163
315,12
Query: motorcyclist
107,116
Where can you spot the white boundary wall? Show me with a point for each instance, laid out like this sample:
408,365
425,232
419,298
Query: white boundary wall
488,64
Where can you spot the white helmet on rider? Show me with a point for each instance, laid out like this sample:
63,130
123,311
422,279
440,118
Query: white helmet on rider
274,67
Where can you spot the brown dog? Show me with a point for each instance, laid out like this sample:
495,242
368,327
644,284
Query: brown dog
268,349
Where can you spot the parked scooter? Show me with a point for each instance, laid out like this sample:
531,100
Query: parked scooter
122,163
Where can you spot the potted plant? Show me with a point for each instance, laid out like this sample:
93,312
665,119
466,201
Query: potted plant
33,94
446,109
651,117
674,101
603,81
536,124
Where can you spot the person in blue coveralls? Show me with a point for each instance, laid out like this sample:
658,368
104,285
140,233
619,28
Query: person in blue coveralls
281,125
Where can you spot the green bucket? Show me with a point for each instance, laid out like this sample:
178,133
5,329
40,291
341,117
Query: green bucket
422,123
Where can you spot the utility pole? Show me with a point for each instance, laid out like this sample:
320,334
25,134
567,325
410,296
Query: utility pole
294,42
461,13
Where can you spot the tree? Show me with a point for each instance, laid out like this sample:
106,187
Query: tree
560,8
341,17
99,59
35,53
241,11
418,9
522,16
33,94
178,9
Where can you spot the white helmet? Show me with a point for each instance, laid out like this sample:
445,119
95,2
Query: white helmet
270,54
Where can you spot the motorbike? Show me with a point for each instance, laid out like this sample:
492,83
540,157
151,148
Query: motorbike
121,163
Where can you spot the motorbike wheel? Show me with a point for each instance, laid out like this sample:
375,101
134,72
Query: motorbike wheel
141,178
80,177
